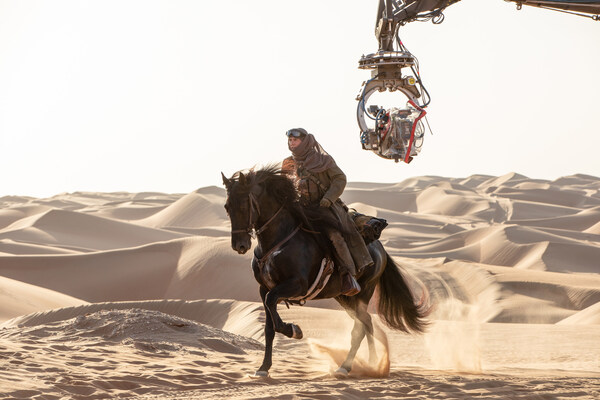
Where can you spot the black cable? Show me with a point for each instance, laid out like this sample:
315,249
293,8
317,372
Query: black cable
425,92
436,16
362,99
402,47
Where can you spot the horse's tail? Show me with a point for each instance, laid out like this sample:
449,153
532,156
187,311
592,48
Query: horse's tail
397,305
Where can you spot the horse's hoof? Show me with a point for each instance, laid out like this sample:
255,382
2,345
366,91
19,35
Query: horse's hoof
260,375
341,373
296,332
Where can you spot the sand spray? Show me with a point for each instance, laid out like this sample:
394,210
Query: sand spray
463,297
369,362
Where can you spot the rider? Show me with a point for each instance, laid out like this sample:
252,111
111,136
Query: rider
320,181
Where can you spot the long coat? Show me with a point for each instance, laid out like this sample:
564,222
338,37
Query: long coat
330,184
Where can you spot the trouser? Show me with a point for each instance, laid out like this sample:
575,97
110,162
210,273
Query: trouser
358,248
350,243
342,253
354,261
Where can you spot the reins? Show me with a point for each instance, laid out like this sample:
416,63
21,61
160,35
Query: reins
252,231
263,259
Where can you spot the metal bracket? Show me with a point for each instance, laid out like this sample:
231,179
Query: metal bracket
386,74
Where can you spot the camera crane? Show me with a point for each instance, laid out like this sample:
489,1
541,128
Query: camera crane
398,133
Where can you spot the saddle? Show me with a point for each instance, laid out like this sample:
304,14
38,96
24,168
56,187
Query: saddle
321,280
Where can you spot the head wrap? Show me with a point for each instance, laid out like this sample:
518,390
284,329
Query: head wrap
311,155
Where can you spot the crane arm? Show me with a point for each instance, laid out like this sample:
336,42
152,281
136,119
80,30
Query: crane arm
584,8
394,13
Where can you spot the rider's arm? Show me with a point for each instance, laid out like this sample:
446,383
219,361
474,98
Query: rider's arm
288,166
337,180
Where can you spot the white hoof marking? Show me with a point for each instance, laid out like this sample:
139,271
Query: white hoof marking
341,373
259,375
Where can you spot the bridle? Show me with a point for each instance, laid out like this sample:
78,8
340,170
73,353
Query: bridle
253,232
255,208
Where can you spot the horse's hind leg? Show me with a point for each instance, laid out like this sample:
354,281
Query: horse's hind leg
363,315
358,334
363,325
368,323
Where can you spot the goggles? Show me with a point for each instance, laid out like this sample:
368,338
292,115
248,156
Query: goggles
295,133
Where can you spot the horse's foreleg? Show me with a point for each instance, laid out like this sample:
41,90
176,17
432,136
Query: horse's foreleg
269,336
284,290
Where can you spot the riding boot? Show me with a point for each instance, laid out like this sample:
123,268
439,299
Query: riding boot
350,286
353,241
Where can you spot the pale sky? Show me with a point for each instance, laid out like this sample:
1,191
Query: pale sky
164,95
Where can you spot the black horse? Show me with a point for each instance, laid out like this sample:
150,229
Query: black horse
289,258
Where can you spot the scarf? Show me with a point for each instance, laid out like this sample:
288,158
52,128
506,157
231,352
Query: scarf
312,156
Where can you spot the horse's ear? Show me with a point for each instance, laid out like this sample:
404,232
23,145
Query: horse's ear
242,179
226,181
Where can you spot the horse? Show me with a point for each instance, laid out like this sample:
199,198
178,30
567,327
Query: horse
290,255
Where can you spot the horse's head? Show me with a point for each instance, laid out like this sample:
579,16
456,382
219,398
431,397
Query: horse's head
242,208
252,201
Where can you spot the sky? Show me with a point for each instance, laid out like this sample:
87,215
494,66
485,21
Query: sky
163,95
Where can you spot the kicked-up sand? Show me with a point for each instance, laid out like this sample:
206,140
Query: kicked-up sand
139,295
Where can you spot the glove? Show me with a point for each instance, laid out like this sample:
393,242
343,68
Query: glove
325,203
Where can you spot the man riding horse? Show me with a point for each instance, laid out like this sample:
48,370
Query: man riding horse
290,259
321,182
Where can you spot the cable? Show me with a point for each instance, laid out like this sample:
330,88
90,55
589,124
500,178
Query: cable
402,47
426,96
428,126
436,16
362,99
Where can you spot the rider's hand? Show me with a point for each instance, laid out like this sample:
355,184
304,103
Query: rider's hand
325,202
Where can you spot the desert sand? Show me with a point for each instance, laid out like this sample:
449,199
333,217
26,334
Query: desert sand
139,295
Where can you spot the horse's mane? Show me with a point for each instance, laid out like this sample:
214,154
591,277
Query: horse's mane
279,186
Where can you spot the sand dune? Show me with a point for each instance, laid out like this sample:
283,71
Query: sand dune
108,295
169,270
82,231
20,298
587,316
201,208
12,247
15,213
93,349
233,316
